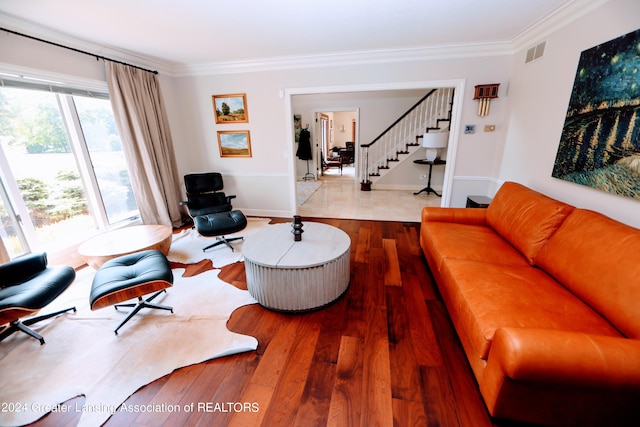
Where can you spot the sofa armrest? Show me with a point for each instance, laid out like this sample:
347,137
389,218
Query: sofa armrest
22,269
561,357
458,215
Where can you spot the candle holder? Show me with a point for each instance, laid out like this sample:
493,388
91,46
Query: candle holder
297,228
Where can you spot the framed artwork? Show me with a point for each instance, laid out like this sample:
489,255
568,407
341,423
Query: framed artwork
600,142
234,143
297,126
230,108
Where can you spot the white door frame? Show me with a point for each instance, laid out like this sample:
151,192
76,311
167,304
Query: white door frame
317,111
454,129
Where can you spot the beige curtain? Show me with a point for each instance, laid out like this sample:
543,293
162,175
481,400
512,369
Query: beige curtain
144,130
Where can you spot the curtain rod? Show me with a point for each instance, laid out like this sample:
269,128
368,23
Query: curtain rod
75,50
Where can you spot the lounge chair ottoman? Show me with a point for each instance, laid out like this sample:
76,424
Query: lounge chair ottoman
131,276
218,224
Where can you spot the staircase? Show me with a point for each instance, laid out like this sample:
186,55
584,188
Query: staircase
393,146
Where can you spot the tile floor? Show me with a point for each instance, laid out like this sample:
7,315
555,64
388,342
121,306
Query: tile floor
340,197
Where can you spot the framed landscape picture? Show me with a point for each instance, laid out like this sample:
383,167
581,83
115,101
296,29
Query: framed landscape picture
230,108
234,143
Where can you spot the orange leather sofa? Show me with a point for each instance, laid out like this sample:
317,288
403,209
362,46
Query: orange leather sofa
545,299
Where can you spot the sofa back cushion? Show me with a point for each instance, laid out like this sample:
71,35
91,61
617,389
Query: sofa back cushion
598,260
525,218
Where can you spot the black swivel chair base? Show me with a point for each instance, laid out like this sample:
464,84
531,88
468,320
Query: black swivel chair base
221,240
23,326
142,303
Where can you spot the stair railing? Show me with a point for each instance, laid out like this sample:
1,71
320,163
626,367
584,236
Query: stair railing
424,115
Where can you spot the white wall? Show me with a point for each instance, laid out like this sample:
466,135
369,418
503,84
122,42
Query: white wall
264,183
342,127
273,164
539,95
19,53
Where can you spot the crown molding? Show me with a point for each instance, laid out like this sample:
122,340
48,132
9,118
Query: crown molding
555,20
347,59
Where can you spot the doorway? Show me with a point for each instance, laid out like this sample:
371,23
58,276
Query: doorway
336,141
328,94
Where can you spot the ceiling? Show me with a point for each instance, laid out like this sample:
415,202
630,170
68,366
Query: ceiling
199,32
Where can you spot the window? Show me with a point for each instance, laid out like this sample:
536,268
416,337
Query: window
105,150
63,174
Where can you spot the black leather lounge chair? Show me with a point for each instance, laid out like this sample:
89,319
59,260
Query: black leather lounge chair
27,285
211,208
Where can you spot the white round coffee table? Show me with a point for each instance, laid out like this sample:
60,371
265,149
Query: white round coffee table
286,275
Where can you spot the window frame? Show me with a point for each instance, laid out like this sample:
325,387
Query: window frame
65,88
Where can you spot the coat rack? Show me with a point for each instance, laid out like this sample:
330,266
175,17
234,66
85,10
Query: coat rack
304,151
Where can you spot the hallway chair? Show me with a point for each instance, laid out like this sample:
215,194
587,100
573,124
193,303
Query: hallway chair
349,153
211,208
331,163
26,286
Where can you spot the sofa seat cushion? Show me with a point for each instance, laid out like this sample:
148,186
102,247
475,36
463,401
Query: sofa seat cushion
482,297
525,218
446,240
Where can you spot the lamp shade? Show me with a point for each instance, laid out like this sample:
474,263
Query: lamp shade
435,139
433,142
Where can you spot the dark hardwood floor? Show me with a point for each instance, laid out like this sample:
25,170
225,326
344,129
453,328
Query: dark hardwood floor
384,354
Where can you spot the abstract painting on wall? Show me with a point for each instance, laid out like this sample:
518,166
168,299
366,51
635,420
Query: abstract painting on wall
600,142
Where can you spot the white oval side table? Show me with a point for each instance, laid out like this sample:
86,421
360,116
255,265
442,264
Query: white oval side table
286,275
